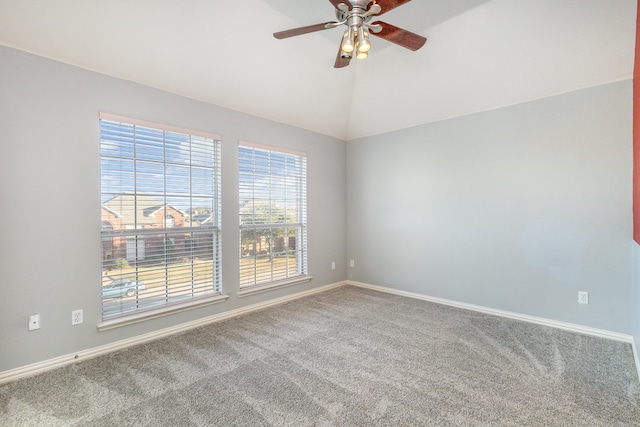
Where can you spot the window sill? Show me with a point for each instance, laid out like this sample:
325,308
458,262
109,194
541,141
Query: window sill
158,312
256,289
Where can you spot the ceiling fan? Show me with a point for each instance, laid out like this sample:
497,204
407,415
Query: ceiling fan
357,16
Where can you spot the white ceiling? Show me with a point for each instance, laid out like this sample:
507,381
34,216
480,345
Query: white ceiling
480,54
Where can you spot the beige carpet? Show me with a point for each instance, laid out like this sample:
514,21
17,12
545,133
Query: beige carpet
346,357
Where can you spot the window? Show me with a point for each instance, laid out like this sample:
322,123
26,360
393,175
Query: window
273,216
158,184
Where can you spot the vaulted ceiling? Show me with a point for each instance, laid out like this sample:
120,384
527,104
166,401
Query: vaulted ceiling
480,54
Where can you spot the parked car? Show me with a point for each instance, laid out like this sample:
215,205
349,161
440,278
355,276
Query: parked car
122,287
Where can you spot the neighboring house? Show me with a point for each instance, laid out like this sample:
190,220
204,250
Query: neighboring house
143,211
111,220
134,212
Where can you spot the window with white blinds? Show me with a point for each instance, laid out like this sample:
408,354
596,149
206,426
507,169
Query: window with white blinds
160,197
273,215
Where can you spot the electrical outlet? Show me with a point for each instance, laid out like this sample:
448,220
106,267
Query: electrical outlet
352,263
76,317
583,297
333,265
34,322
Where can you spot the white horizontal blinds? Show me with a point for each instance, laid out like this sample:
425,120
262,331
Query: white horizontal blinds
273,214
160,195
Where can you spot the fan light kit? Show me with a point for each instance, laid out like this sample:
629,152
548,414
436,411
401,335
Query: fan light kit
357,16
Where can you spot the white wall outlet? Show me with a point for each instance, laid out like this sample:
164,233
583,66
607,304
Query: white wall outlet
333,265
76,317
34,322
352,263
583,297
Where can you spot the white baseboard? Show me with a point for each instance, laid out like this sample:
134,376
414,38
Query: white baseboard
502,313
47,365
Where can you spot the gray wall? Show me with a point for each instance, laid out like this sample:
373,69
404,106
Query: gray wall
515,209
50,211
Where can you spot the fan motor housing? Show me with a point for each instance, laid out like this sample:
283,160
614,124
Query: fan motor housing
358,7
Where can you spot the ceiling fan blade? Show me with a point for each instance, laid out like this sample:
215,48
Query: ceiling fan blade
388,5
399,36
303,30
337,3
341,61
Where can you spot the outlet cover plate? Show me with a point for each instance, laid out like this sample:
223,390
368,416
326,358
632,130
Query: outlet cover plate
583,297
76,317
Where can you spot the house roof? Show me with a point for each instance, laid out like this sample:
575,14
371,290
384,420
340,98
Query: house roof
152,210
480,55
112,212
129,206
204,218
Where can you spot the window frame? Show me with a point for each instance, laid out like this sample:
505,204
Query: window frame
202,177
299,224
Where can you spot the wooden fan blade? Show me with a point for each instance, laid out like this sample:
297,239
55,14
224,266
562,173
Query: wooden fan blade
388,5
337,3
399,36
341,62
302,30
